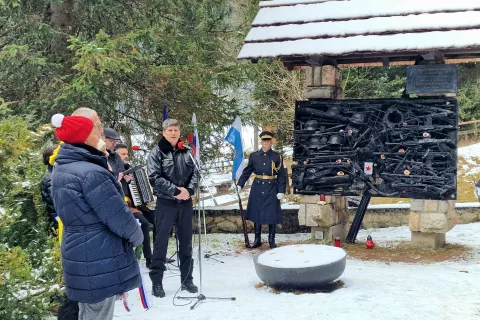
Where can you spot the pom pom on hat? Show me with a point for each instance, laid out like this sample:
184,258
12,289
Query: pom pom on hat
57,120
72,129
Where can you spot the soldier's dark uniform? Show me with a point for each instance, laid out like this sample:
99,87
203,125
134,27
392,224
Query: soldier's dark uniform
270,179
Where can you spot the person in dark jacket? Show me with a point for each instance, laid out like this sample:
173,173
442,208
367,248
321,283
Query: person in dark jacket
45,186
267,189
139,213
172,174
99,231
112,138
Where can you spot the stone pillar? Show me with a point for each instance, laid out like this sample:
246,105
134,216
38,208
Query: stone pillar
430,220
327,219
323,82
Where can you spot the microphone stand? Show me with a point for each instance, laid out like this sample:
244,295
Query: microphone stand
201,297
197,167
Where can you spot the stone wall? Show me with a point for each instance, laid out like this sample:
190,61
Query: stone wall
229,221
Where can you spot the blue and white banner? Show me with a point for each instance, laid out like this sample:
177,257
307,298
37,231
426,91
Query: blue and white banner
165,114
196,140
234,137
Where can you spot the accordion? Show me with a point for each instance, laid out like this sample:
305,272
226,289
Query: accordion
140,189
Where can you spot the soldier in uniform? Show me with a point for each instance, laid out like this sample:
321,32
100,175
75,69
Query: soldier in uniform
267,189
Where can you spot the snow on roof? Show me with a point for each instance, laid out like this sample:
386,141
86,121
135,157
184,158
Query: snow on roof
278,3
357,9
426,22
376,43
297,28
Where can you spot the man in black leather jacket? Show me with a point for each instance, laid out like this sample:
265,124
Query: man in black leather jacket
172,174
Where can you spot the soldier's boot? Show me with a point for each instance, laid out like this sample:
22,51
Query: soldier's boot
258,235
271,235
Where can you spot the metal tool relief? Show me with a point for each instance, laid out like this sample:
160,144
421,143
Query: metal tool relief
403,148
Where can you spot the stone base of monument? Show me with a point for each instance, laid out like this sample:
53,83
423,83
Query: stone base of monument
304,266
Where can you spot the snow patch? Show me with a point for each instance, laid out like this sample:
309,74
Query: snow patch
26,184
301,256
55,287
23,294
373,288
469,151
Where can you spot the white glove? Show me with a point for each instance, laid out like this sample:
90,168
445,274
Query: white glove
238,189
280,195
138,221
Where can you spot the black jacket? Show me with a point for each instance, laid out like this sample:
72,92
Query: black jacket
46,188
169,168
116,163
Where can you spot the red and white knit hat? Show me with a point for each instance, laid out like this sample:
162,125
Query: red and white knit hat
72,129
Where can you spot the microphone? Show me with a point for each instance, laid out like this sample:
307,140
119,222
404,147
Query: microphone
137,148
183,146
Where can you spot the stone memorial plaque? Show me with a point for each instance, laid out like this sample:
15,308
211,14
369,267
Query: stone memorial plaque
432,79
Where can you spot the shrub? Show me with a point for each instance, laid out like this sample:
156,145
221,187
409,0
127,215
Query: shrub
30,267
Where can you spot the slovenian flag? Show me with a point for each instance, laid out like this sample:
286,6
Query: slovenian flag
234,137
193,139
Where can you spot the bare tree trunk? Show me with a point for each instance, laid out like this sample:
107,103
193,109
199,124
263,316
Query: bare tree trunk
62,20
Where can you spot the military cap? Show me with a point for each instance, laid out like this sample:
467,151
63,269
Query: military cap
266,135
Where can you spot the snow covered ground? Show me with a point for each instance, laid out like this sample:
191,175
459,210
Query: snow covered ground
373,290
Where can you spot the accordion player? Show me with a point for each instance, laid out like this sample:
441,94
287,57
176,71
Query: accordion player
140,188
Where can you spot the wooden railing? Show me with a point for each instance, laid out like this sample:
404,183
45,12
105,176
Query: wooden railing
243,195
469,128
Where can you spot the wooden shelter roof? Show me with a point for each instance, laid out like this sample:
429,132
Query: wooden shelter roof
305,32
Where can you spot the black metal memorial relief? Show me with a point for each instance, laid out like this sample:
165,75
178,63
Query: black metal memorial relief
404,148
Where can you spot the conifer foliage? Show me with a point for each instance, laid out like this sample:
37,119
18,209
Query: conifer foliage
29,254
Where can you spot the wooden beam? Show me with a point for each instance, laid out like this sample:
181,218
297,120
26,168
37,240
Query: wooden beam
319,61
378,58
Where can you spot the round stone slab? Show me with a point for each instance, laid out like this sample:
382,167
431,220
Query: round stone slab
300,266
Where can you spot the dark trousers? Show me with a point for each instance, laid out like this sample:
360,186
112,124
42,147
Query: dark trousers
165,217
150,216
68,310
145,225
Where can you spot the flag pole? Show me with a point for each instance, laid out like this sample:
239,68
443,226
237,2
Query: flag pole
242,214
197,158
